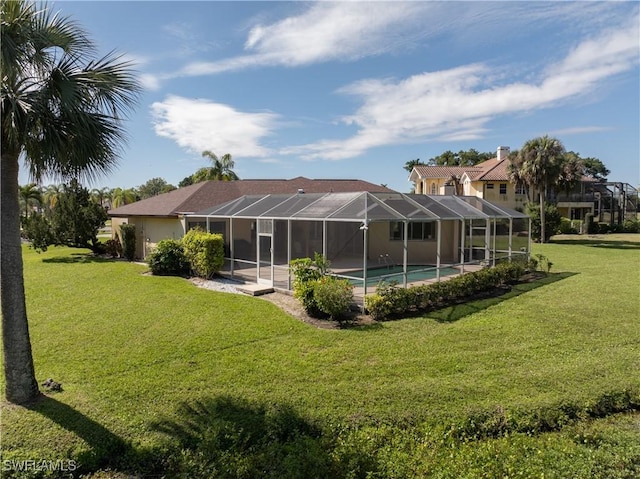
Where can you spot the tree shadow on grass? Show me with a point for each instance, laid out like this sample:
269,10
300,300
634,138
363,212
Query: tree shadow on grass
219,437
600,243
458,311
75,258
107,450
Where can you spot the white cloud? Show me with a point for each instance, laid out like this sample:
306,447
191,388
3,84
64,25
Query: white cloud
347,31
325,31
198,125
579,130
458,103
149,81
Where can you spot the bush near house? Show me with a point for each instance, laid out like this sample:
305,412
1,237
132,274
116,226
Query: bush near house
391,300
113,247
333,296
321,294
128,240
168,259
204,251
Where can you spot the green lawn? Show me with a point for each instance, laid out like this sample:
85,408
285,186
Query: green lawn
131,350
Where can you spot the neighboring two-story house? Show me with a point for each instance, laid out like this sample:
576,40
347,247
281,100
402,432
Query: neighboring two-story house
609,202
488,180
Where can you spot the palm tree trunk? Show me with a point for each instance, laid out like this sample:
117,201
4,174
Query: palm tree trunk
21,384
542,218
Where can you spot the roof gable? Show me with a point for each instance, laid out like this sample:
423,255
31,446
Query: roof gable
490,170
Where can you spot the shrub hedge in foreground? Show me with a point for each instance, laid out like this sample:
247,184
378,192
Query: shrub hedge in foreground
228,437
205,252
391,300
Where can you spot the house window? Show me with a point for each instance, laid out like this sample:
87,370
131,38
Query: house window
489,186
396,231
520,190
417,231
433,188
503,188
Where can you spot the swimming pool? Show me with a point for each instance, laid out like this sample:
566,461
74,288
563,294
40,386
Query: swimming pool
394,273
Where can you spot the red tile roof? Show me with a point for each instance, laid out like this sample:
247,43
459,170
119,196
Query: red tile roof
211,193
490,170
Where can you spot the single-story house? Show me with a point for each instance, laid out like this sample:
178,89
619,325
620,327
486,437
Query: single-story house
165,216
367,236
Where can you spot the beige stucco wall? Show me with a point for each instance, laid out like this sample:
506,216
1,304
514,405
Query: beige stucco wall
419,252
150,231
430,186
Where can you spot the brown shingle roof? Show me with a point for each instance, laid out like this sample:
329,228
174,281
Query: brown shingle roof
211,193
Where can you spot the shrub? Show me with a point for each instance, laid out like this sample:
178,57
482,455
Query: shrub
113,247
204,251
543,263
566,227
305,273
37,230
333,296
128,239
378,306
631,226
169,259
590,227
552,219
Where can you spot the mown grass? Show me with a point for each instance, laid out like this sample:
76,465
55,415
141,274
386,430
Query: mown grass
133,351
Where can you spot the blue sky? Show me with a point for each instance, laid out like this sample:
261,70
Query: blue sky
356,89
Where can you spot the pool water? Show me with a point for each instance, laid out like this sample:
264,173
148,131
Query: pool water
394,273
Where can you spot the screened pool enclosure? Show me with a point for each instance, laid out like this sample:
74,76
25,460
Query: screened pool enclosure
367,237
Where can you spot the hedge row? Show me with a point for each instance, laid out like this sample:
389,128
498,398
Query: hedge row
391,300
499,422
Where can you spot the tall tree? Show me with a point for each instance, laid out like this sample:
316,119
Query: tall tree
101,196
462,158
154,187
571,172
121,196
539,165
30,195
221,169
186,181
62,111
411,164
51,194
595,168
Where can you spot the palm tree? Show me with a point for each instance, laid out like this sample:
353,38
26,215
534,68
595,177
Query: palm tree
411,164
571,173
539,165
101,196
62,111
222,168
29,195
50,196
120,196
